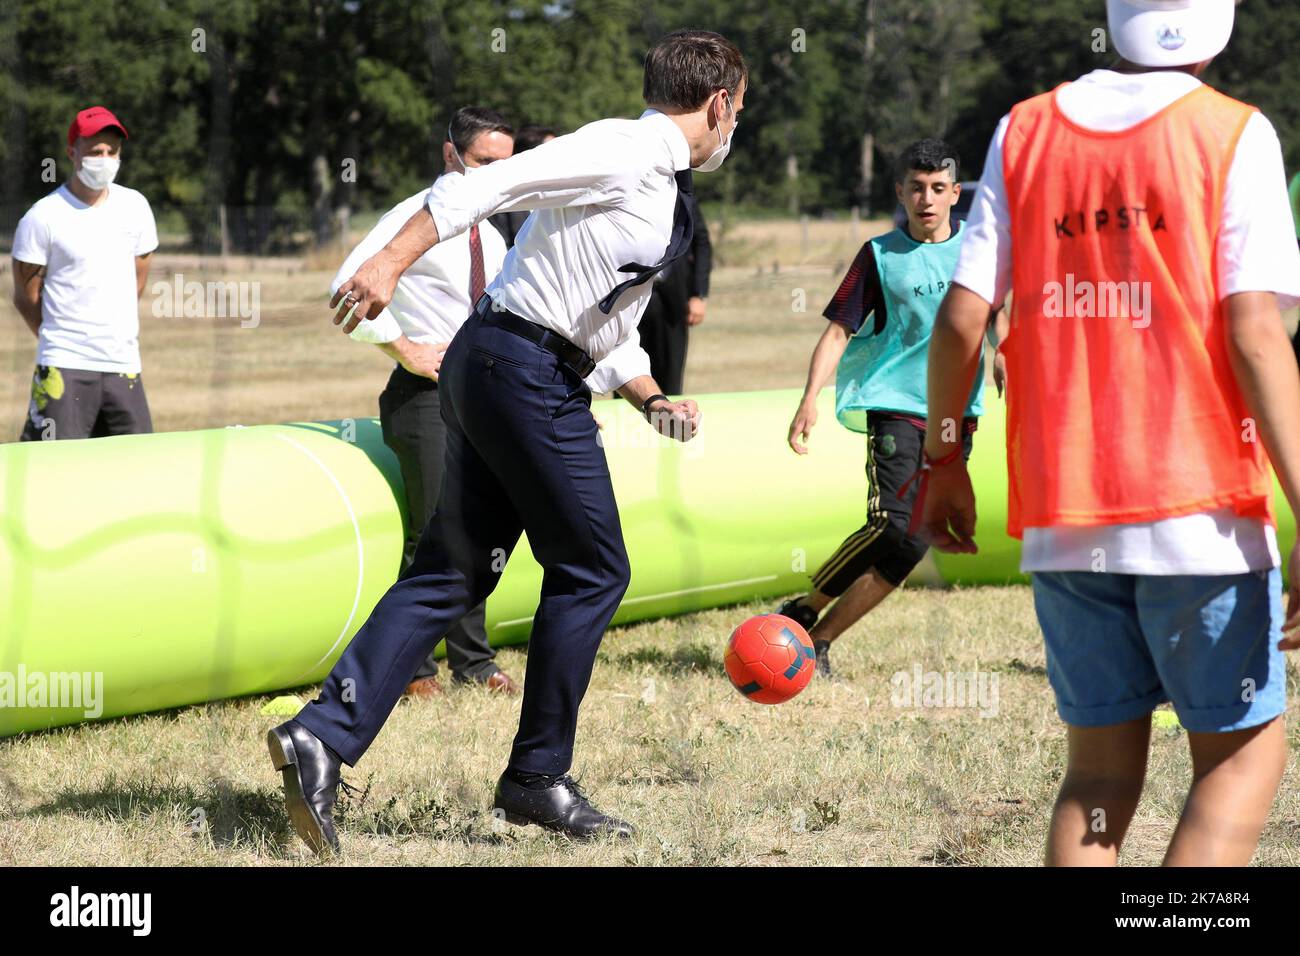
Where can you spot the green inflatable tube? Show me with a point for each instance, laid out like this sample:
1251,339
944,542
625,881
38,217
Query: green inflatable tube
998,560
147,572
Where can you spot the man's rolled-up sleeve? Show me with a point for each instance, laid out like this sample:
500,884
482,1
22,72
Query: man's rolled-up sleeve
626,362
596,164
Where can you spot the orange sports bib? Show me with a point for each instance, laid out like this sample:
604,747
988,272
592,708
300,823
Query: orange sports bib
1122,406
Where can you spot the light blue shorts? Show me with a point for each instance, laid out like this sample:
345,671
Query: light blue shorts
1119,644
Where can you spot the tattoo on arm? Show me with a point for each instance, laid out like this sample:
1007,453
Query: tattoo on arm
29,279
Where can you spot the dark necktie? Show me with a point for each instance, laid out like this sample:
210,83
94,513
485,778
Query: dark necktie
678,243
477,279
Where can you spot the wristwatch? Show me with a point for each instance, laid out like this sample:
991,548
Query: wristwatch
645,406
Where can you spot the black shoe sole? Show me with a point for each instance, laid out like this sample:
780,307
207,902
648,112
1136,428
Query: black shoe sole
522,821
305,823
516,819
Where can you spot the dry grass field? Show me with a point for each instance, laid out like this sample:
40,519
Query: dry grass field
846,774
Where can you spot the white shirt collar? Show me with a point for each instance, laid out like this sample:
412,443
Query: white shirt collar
674,137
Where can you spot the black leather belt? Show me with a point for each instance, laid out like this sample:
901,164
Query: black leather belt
575,358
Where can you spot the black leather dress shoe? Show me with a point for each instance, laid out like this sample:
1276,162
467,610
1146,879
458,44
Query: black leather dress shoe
311,780
561,807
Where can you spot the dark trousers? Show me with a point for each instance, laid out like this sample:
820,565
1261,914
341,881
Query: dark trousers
522,455
411,416
663,332
74,403
894,454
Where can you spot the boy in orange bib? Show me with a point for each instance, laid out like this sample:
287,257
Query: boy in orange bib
1138,218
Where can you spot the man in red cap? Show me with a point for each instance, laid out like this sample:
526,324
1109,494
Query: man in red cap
81,257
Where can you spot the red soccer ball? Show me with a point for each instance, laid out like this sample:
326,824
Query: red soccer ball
770,658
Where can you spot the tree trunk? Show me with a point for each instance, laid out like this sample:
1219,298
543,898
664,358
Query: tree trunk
443,67
321,178
792,175
221,58
868,146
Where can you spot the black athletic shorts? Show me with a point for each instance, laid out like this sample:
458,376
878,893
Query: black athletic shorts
894,449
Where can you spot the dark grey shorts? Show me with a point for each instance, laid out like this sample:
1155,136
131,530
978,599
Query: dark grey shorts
73,403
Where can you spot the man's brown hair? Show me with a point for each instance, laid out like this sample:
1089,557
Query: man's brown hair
683,68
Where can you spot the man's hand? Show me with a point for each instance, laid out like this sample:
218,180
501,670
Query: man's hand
678,420
801,427
695,310
948,512
370,290
1000,371
424,360
1291,641
367,293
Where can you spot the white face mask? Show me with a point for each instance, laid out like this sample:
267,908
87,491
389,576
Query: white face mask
97,172
464,168
718,155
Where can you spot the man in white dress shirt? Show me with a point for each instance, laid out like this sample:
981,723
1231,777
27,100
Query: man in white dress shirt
432,300
558,323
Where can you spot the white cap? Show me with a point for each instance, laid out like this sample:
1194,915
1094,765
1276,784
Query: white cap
1170,32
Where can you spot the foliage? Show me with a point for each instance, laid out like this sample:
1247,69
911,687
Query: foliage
263,106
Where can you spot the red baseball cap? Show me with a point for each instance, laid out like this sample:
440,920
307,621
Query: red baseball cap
91,121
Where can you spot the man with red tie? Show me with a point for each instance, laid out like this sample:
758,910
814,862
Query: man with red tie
433,299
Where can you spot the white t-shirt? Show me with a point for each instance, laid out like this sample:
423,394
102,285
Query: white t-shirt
1256,253
89,317
431,300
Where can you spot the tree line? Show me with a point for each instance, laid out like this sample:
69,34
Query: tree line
280,117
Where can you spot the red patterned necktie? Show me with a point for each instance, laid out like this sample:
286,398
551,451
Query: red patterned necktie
477,280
